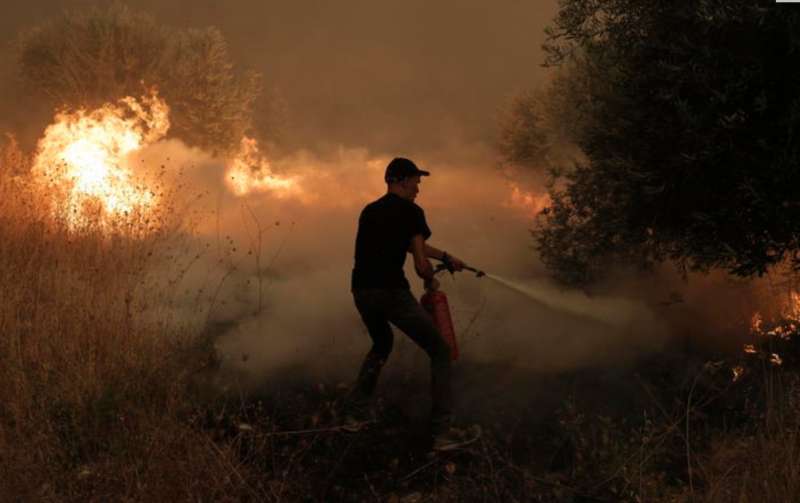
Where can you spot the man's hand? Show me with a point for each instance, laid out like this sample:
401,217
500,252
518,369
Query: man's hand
454,262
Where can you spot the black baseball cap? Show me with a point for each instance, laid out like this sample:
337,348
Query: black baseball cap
401,168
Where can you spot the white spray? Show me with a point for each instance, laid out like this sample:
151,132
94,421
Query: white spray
612,311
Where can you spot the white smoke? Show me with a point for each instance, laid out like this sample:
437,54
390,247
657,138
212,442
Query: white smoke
302,266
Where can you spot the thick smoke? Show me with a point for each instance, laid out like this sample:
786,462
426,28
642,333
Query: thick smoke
306,255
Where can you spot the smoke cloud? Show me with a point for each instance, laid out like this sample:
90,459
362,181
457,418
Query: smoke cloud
302,267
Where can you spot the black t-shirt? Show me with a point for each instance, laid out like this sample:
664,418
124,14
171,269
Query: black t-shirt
385,229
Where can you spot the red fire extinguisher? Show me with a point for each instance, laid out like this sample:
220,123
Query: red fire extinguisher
435,302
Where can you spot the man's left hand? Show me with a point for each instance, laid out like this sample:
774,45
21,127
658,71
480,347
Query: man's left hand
456,263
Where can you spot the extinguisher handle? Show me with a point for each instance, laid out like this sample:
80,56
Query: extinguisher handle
446,265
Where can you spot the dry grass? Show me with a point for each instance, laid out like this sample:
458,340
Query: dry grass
762,462
93,394
754,468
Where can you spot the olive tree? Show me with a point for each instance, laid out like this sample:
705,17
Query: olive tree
688,117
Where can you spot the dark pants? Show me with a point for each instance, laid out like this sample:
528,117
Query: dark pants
378,308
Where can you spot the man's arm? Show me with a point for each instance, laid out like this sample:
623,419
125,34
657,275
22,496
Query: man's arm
436,253
422,265
421,251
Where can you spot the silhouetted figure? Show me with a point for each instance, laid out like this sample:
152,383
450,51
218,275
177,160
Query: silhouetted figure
388,229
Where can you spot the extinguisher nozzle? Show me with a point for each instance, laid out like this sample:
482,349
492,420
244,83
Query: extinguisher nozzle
478,273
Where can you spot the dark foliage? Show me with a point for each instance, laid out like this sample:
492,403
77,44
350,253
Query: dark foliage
689,119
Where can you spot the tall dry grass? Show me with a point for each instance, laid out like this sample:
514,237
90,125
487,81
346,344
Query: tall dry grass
93,395
761,462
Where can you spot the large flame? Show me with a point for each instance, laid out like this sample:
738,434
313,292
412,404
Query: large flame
251,172
83,158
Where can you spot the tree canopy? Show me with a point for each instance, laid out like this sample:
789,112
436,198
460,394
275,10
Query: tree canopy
85,58
688,115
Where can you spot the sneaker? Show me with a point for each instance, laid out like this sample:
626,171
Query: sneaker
455,438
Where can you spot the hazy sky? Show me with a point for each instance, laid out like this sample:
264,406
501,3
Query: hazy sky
390,76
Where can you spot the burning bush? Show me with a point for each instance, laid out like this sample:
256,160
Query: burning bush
85,59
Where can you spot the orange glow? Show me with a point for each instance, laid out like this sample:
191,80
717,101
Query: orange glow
785,327
251,172
755,323
530,202
82,159
791,313
787,324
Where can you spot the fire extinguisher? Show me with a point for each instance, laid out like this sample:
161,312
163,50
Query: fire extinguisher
435,302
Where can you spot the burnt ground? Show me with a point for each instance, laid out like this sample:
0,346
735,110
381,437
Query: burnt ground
601,434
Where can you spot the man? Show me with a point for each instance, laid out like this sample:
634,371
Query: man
388,229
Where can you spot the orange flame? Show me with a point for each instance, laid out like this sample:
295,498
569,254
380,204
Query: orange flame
84,157
250,171
786,326
530,202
